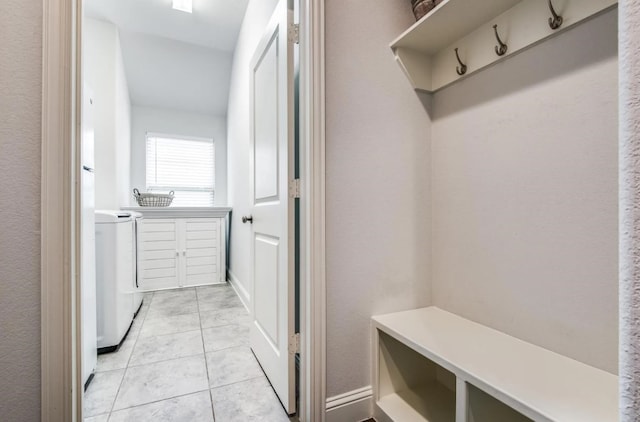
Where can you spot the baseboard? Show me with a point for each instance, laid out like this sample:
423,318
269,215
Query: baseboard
353,406
240,290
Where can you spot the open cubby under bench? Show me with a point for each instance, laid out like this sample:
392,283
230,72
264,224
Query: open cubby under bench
431,365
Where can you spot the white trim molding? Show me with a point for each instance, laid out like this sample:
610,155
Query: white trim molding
59,396
312,212
240,290
353,406
61,344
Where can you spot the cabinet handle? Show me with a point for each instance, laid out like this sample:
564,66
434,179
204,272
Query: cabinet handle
177,253
184,252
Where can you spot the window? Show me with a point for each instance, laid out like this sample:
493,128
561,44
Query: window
183,165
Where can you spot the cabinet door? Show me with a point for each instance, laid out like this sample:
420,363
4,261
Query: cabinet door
159,254
201,254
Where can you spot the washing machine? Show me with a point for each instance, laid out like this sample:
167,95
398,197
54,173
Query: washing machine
114,277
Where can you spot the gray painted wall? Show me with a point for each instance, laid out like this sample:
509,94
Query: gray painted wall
377,186
20,102
525,195
374,122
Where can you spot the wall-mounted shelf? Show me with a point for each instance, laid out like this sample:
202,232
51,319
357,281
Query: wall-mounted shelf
434,366
426,50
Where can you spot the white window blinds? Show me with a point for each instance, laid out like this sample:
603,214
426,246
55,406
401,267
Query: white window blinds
185,166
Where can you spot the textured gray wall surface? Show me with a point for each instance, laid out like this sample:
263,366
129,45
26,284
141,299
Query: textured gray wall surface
377,184
629,45
525,205
20,102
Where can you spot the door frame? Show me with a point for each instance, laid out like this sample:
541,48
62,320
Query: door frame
61,393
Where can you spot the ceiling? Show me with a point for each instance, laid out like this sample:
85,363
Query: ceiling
171,74
174,59
213,24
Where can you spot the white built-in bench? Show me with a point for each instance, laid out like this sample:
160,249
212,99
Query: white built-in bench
431,365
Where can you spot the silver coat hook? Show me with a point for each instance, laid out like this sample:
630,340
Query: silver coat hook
555,21
462,69
501,49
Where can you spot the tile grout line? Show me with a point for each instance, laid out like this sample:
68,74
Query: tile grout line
167,334
126,368
261,376
206,364
164,360
158,401
144,315
184,395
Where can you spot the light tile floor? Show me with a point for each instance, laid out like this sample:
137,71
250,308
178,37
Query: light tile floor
186,358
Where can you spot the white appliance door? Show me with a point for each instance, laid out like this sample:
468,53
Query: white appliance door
272,231
88,242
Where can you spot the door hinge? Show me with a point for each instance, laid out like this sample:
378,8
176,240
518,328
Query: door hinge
294,344
294,33
294,188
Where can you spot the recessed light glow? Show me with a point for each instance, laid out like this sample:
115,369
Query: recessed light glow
183,5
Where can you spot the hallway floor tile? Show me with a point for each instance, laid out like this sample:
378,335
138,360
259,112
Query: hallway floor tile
186,358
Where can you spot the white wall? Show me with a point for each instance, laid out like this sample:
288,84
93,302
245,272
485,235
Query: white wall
377,184
123,130
254,24
174,122
525,195
166,73
20,105
629,44
105,76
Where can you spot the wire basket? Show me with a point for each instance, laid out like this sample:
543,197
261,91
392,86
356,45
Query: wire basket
153,199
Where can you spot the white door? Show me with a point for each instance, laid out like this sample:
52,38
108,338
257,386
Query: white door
272,259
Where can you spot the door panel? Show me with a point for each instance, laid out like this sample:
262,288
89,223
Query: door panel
160,245
272,259
153,255
193,253
205,260
266,250
157,263
201,243
159,226
200,279
202,251
201,269
161,272
206,226
153,236
266,123
202,235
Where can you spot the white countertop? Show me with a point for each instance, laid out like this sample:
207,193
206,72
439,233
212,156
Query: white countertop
168,212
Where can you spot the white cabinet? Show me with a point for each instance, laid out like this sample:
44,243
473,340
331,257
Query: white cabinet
181,252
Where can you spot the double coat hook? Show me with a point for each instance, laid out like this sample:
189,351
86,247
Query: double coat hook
501,49
555,21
